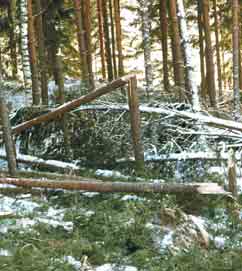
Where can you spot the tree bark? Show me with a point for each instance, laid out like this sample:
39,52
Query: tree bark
33,55
108,54
119,37
42,52
209,55
219,73
164,42
7,137
236,10
101,37
177,53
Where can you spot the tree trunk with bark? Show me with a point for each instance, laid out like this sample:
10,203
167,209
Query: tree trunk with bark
236,10
33,55
101,37
164,42
41,52
209,55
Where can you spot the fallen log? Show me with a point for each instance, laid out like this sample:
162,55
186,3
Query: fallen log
51,164
111,187
59,111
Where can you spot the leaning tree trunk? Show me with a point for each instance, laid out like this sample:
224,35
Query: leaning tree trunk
12,37
42,52
164,42
33,55
219,73
190,65
7,137
145,8
209,55
24,47
101,37
119,37
236,10
176,49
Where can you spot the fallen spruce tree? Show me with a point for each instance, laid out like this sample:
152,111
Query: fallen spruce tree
93,185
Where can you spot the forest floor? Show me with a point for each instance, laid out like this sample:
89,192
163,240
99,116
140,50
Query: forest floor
59,230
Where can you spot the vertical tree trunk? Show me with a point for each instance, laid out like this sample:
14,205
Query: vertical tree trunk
219,73
145,9
101,37
164,42
177,53
119,37
86,15
209,54
81,43
7,137
32,54
42,52
108,54
113,39
189,63
12,37
201,48
236,10
24,46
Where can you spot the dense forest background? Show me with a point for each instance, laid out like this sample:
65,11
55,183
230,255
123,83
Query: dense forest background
121,135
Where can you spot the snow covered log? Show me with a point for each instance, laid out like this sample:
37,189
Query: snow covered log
93,185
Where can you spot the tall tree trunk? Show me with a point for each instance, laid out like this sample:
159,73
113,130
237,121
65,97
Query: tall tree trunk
145,8
12,37
201,48
236,10
108,54
119,37
177,53
42,52
86,15
33,55
81,43
24,47
7,137
219,73
189,63
164,42
113,39
209,54
101,37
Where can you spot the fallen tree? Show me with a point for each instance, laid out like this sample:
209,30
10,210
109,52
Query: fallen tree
93,185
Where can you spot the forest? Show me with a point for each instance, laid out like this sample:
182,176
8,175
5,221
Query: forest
120,135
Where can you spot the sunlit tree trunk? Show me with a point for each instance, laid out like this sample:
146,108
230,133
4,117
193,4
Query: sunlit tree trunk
209,55
33,55
119,37
12,37
145,9
201,48
41,52
236,10
101,37
177,53
108,53
164,42
216,24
